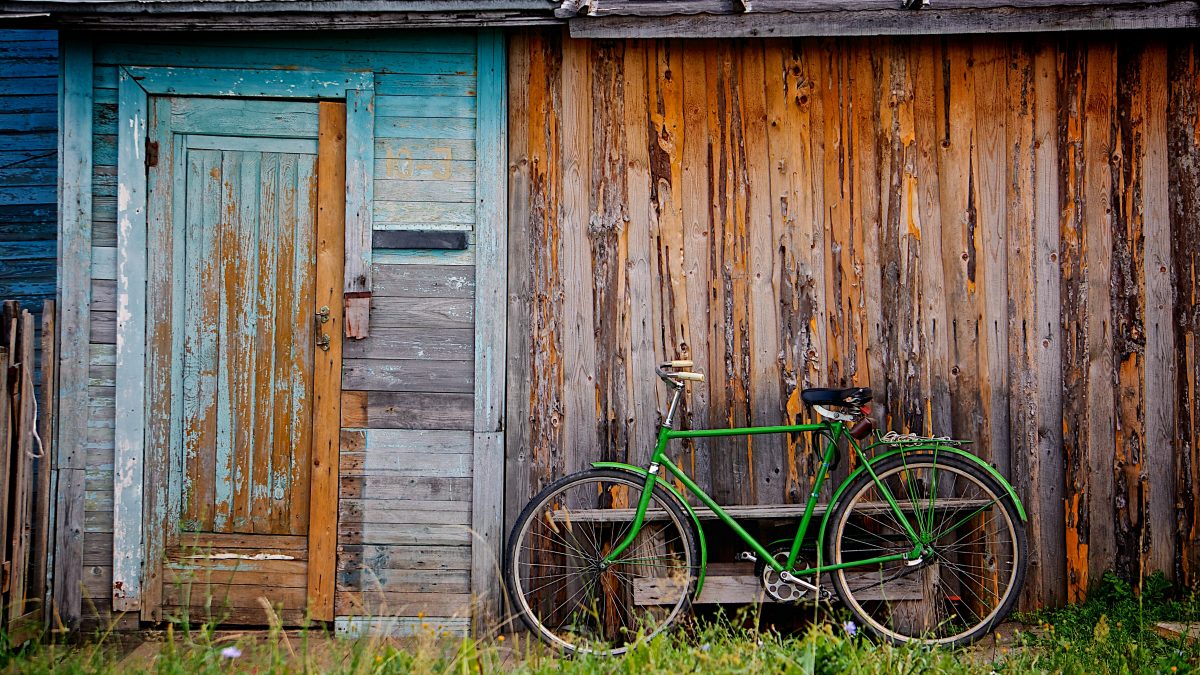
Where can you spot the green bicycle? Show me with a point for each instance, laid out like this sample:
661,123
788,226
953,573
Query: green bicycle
924,541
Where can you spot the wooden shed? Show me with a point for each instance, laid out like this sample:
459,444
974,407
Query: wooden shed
335,303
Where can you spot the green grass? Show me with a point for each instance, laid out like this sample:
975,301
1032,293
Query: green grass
1111,633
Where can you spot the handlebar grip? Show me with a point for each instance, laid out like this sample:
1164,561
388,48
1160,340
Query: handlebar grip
694,377
677,364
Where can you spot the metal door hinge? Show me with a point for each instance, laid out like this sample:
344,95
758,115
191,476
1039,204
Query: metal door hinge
151,153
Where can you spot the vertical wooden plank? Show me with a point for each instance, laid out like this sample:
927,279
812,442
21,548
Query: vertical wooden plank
1046,470
279,188
579,357
955,109
10,418
639,313
299,176
728,328
23,449
232,312
160,357
786,155
1100,94
870,163
1023,251
934,320
1160,373
47,416
687,229
360,199
768,465
519,376
265,453
75,284
1128,295
608,246
1183,174
1074,311
487,491
128,549
330,255
243,340
991,291
544,455
899,250
201,346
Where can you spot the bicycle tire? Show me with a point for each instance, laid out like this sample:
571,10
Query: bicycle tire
968,583
663,584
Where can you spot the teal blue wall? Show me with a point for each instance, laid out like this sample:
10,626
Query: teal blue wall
28,122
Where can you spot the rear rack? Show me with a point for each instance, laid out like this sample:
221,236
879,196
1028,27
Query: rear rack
893,438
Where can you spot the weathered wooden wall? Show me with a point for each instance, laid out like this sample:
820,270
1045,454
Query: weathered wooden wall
999,235
28,155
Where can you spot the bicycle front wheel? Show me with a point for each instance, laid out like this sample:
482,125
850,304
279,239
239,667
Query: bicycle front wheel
567,592
975,558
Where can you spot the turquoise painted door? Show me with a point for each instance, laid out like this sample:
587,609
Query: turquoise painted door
235,184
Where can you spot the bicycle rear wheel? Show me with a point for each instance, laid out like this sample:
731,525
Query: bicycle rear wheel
560,583
975,541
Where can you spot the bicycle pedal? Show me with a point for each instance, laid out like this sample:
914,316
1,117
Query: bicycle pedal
747,556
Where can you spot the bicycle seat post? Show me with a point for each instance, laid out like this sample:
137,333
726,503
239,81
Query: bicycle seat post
676,396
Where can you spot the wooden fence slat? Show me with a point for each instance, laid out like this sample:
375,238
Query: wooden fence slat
579,374
22,486
1046,489
6,437
1183,173
10,338
1099,97
47,414
1160,374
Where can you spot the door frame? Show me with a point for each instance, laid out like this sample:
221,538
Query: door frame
138,519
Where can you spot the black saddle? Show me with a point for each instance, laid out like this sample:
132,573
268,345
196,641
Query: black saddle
854,396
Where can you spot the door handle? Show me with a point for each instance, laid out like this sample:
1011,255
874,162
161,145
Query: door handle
322,336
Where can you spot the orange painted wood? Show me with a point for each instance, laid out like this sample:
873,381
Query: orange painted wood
331,195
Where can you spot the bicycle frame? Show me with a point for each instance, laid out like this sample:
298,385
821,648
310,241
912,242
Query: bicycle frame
833,431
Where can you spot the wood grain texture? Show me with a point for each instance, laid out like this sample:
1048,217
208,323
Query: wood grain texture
1183,167
491,331
73,325
128,550
330,251
975,228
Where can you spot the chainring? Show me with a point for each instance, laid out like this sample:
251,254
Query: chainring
772,581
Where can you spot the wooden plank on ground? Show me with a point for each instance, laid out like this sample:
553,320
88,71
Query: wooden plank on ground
1175,631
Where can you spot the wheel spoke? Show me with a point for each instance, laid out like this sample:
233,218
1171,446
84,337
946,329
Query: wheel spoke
558,577
972,562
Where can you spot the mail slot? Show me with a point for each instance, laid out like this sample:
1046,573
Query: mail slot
420,239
